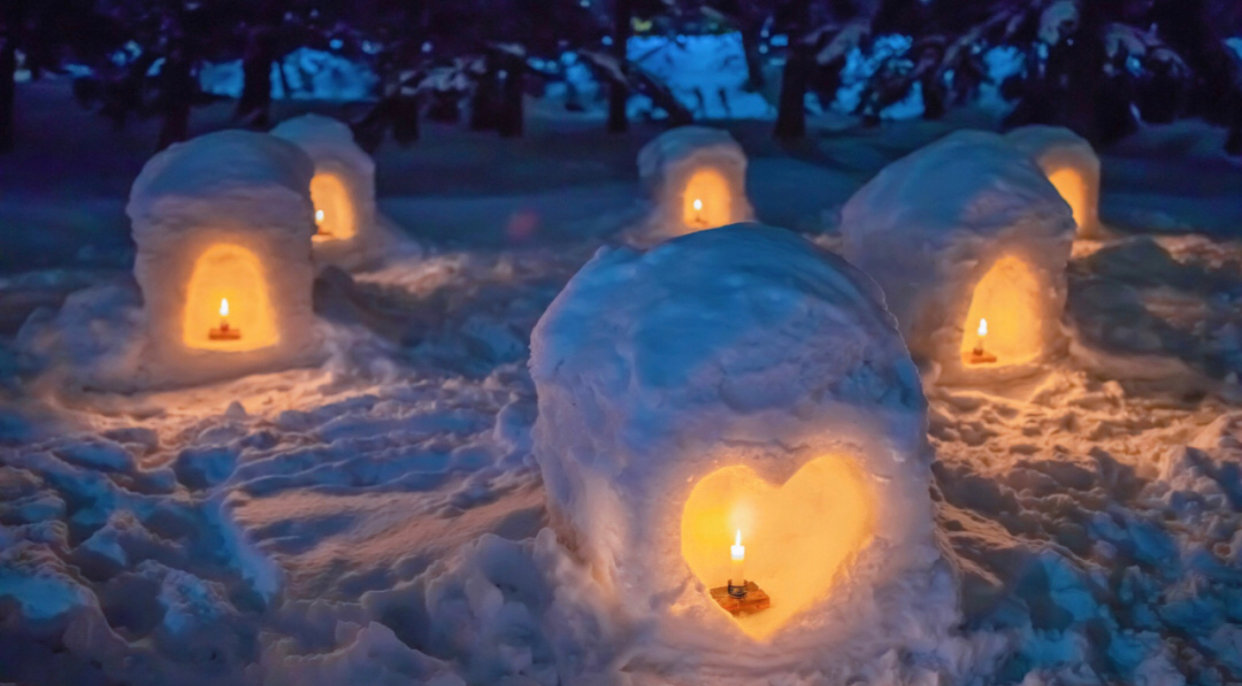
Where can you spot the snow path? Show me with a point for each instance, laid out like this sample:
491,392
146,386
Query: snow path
378,518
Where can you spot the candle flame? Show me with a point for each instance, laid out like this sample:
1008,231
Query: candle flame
224,307
698,204
318,216
737,551
983,327
738,539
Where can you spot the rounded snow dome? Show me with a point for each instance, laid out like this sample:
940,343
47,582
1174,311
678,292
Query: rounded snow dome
342,189
223,226
232,176
740,388
970,243
1072,167
696,176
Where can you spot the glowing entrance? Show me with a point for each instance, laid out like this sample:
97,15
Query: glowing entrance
1004,322
334,213
1069,183
227,306
708,201
796,535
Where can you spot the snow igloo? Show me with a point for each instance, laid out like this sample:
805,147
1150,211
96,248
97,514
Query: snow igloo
342,190
970,242
223,227
1072,167
697,179
733,436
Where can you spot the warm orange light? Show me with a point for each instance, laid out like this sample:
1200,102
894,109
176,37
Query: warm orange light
799,534
1069,183
707,201
1006,304
334,211
228,281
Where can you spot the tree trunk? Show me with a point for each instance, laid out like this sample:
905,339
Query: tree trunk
405,114
177,95
511,114
619,93
791,113
791,106
254,106
484,106
8,93
754,63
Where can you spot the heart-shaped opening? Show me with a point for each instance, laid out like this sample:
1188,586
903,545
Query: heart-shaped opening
796,536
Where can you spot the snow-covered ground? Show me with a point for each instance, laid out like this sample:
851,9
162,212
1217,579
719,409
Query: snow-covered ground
380,520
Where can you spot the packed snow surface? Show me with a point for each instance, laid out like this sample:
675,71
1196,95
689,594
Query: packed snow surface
733,352
379,518
931,227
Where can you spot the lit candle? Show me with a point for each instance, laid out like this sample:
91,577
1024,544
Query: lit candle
698,205
978,355
737,555
224,332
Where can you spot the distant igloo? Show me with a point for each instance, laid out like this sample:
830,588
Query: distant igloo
348,232
697,180
1072,167
739,393
223,225
970,243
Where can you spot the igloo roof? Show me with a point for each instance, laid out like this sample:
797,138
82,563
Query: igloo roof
683,143
232,177
325,138
1035,140
969,183
741,320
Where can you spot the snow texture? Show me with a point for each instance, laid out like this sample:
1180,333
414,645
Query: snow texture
929,227
666,166
1069,161
304,74
707,73
331,146
233,188
740,345
390,495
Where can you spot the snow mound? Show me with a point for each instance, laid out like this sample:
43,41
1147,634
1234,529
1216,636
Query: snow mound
232,176
223,225
696,177
343,190
741,358
964,230
1072,167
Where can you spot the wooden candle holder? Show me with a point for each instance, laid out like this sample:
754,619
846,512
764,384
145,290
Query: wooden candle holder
979,356
224,333
753,600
